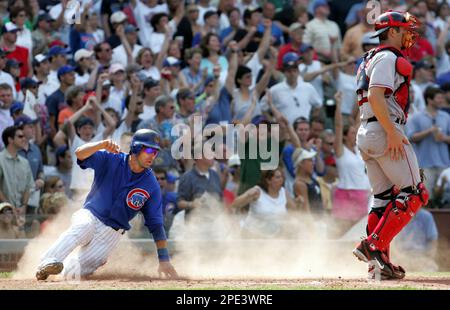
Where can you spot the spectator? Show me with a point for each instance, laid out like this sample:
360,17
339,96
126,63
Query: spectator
423,74
74,100
306,185
57,58
189,28
63,168
442,189
210,23
346,85
32,153
193,76
169,199
353,38
351,197
118,89
42,34
234,31
161,25
150,67
172,80
16,110
152,90
194,183
430,133
103,54
51,205
269,204
293,97
163,122
323,34
12,67
211,56
53,184
28,95
232,185
18,16
422,48
57,100
128,49
6,101
419,239
252,18
82,33
328,183
16,177
8,43
118,20
204,6
5,77
85,65
8,224
186,105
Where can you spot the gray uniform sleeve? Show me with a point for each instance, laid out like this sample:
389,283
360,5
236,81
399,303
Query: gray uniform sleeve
381,71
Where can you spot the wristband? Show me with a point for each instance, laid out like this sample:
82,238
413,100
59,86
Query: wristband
163,255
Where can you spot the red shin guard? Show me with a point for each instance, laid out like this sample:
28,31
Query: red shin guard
394,219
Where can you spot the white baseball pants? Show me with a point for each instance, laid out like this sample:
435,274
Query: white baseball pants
95,238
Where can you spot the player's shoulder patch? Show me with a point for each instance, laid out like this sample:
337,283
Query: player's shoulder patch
136,198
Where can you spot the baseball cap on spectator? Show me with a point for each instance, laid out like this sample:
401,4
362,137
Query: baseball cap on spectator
295,26
15,107
57,50
368,39
302,154
423,64
290,60
24,120
208,14
65,69
43,17
130,28
82,53
83,121
185,93
116,67
57,43
260,119
305,47
38,59
250,10
171,178
234,160
28,83
171,62
118,17
319,3
6,205
9,27
13,63
150,83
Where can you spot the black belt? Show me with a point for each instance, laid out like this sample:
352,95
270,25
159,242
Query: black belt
397,120
117,229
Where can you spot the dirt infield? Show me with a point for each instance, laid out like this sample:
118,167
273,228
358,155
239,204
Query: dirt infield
437,281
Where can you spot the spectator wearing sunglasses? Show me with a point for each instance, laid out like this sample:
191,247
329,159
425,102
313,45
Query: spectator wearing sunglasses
8,224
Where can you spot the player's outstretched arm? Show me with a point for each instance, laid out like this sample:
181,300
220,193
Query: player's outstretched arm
86,150
165,267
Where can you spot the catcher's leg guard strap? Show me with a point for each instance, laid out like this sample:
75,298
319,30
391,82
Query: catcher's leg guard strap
397,215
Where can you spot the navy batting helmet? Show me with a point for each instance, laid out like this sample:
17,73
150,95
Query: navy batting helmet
144,138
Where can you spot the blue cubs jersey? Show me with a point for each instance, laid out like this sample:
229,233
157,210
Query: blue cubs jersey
118,194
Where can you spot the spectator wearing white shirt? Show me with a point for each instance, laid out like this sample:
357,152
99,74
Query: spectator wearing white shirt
143,13
84,65
152,90
442,188
203,7
120,54
159,22
4,76
57,58
293,97
118,89
41,69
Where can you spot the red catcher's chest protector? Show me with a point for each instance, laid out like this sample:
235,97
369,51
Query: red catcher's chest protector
402,67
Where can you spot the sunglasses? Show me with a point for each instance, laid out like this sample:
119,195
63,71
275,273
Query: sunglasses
330,143
140,103
20,136
106,50
161,178
150,150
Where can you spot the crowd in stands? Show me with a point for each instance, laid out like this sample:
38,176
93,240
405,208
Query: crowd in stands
122,65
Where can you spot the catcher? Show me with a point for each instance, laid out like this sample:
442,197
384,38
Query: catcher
383,98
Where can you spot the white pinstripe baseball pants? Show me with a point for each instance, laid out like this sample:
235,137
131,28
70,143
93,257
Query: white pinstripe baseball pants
95,238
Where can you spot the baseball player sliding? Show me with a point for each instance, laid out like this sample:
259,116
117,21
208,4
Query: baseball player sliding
123,186
383,98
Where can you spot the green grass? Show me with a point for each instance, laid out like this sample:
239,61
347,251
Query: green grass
5,275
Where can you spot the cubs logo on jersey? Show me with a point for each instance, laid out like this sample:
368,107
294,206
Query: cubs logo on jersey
136,198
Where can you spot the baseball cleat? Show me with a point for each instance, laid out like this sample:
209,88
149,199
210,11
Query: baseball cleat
49,269
376,257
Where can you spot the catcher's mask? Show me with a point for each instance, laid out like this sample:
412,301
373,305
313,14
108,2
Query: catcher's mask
398,19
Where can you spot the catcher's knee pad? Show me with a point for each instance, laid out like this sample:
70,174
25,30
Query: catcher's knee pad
399,211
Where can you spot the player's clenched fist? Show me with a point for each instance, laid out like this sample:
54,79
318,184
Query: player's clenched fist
111,146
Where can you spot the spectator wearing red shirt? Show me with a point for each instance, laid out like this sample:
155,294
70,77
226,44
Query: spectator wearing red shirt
19,53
